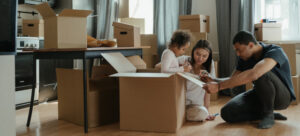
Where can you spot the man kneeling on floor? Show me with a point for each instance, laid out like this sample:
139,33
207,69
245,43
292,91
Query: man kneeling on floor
267,66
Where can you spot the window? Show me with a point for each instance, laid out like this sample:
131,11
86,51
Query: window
286,12
143,9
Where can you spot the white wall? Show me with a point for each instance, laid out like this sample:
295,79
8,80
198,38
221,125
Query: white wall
208,7
7,96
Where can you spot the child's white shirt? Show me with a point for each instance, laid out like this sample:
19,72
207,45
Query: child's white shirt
169,62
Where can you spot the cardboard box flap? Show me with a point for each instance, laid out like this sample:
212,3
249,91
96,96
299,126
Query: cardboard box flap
137,61
143,75
119,62
45,10
75,13
123,25
192,78
186,17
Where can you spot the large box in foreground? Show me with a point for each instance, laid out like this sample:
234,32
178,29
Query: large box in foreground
149,101
67,30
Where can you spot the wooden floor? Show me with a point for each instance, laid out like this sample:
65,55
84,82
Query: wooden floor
45,123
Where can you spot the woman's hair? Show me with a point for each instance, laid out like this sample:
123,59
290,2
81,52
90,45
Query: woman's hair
180,38
203,44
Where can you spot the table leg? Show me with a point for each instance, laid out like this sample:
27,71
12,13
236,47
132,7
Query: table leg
85,96
32,92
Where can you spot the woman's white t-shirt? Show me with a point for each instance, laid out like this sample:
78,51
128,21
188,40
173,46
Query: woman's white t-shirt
195,94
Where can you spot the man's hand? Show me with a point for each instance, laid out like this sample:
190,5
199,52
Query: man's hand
211,87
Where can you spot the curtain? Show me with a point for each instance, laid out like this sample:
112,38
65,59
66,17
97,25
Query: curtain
166,14
107,11
232,16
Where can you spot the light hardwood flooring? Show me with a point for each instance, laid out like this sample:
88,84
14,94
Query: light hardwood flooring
45,123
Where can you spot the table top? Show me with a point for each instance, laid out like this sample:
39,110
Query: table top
90,49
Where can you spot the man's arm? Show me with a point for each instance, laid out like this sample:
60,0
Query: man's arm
236,72
240,78
250,75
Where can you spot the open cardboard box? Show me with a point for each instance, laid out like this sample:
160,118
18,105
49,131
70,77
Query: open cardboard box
66,30
149,101
102,96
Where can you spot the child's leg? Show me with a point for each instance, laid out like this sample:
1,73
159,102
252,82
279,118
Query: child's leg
196,113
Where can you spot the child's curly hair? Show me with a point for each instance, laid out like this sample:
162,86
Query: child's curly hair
180,38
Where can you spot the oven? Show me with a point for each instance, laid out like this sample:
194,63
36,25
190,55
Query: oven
24,72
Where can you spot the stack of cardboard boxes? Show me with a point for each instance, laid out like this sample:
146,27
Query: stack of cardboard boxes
270,33
290,50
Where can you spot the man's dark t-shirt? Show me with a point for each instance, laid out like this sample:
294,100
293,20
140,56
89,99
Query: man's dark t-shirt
282,69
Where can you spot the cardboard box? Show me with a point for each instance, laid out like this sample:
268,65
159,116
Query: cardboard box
33,28
196,36
151,60
268,31
102,96
215,96
194,23
127,35
149,40
149,101
137,62
290,50
150,55
137,22
67,30
296,83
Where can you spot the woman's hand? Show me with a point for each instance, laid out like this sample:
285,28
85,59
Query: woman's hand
203,73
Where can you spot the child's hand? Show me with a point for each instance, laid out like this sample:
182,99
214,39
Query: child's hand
187,68
211,117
